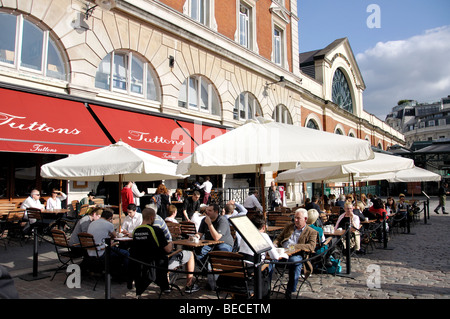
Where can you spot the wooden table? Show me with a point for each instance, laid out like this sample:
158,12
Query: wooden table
335,233
55,211
201,243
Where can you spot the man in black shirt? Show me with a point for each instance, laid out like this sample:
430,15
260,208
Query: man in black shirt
442,193
191,205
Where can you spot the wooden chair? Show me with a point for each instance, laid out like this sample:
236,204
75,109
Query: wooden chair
14,225
74,204
83,210
187,229
64,251
94,265
282,221
36,220
233,276
336,210
175,229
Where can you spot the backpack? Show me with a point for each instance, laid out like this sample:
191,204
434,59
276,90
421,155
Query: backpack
156,200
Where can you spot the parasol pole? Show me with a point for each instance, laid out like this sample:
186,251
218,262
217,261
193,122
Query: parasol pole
263,195
120,200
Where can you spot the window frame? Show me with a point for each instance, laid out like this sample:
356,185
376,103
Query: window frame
47,40
246,96
194,101
130,57
281,112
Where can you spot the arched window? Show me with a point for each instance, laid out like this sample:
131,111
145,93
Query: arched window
27,47
198,93
246,107
281,114
341,94
126,72
338,132
312,124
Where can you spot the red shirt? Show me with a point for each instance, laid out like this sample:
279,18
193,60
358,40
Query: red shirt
379,213
127,198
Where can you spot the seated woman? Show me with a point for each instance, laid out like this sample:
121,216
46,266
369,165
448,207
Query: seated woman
54,202
378,209
313,216
349,218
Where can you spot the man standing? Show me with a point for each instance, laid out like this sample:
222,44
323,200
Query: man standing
191,205
137,196
207,186
127,196
300,237
442,193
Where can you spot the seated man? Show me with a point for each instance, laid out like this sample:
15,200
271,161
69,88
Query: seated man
252,204
214,227
172,214
104,228
82,226
151,245
131,221
300,236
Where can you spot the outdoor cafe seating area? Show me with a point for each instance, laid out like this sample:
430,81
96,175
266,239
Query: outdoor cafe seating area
332,157
329,262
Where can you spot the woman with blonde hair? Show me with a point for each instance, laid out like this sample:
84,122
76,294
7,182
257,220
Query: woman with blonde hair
313,215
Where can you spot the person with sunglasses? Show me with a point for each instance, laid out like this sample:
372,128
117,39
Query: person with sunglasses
33,201
54,201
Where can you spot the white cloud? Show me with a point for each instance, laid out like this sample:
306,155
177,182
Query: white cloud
417,68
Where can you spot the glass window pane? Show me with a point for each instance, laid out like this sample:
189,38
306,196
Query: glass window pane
137,76
32,40
192,93
182,99
242,114
204,96
194,10
120,71
151,86
55,64
7,37
102,77
243,26
277,46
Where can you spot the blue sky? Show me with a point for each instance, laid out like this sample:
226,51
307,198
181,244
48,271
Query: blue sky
407,57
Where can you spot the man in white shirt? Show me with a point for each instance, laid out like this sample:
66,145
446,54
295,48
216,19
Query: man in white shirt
137,196
252,203
32,201
207,185
131,221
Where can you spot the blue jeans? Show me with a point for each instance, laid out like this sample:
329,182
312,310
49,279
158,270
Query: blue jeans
294,272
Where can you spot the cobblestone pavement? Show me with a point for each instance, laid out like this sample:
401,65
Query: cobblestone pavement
414,266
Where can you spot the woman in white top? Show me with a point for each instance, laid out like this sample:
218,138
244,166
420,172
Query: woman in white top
54,202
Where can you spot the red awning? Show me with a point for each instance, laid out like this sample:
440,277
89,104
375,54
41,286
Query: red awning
33,123
159,136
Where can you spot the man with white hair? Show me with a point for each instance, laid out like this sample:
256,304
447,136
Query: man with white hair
300,236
